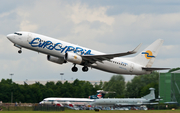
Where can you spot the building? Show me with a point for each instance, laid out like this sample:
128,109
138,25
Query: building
169,87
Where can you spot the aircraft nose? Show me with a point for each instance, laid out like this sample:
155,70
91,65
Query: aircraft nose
10,36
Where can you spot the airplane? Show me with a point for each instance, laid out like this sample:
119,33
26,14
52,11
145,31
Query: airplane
110,102
73,101
61,52
66,101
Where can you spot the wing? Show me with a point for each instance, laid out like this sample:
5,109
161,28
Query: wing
100,58
102,91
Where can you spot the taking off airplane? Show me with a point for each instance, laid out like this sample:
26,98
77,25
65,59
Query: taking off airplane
61,52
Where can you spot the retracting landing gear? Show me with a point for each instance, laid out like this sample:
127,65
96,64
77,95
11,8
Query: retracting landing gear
18,46
74,68
85,69
20,51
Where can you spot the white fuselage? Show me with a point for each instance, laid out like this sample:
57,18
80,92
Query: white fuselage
58,48
75,101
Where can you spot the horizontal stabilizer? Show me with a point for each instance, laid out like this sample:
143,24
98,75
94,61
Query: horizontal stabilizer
153,69
105,92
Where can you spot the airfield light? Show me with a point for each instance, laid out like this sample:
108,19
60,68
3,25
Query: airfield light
12,89
61,76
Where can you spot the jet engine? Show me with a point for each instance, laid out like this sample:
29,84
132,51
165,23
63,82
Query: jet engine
72,57
56,59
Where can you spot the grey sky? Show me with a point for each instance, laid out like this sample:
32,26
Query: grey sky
109,26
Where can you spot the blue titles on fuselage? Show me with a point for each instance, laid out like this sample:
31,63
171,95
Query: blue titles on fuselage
37,42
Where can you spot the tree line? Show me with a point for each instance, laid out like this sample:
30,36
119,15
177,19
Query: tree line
37,92
137,87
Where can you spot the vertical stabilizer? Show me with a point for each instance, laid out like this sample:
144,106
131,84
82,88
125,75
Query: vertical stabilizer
100,94
148,55
151,95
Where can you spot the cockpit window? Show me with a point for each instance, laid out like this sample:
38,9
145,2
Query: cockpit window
17,33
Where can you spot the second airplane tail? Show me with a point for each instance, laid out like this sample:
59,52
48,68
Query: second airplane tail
151,95
147,56
99,95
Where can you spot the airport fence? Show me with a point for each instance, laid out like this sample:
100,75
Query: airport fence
16,108
48,108
163,107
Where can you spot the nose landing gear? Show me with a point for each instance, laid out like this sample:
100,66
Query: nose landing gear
18,46
20,51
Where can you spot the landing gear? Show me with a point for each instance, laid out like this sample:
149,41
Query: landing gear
18,46
85,69
20,51
74,68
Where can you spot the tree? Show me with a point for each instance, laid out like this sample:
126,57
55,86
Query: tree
134,87
145,90
117,84
174,69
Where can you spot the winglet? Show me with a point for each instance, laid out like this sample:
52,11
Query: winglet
137,48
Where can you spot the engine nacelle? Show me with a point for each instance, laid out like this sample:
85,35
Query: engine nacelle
56,59
72,57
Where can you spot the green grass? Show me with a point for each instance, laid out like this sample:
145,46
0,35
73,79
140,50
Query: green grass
92,111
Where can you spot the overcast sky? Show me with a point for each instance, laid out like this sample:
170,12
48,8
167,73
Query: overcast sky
109,26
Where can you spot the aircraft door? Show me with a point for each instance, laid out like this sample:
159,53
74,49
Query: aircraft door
131,67
29,39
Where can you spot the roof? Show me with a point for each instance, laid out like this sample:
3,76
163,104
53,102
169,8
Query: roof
177,71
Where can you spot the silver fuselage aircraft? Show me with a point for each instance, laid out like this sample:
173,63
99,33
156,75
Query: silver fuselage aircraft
61,52
110,102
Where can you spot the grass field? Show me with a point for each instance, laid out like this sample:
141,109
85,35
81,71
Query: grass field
92,111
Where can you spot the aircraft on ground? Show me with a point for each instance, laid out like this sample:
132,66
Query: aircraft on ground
66,101
110,102
61,52
74,101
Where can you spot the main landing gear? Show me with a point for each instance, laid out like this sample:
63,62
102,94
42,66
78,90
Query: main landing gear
75,69
85,69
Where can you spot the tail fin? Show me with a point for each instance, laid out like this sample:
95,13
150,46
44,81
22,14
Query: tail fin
99,95
151,95
148,55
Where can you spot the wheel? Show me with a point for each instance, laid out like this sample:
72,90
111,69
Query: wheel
19,51
74,69
85,68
